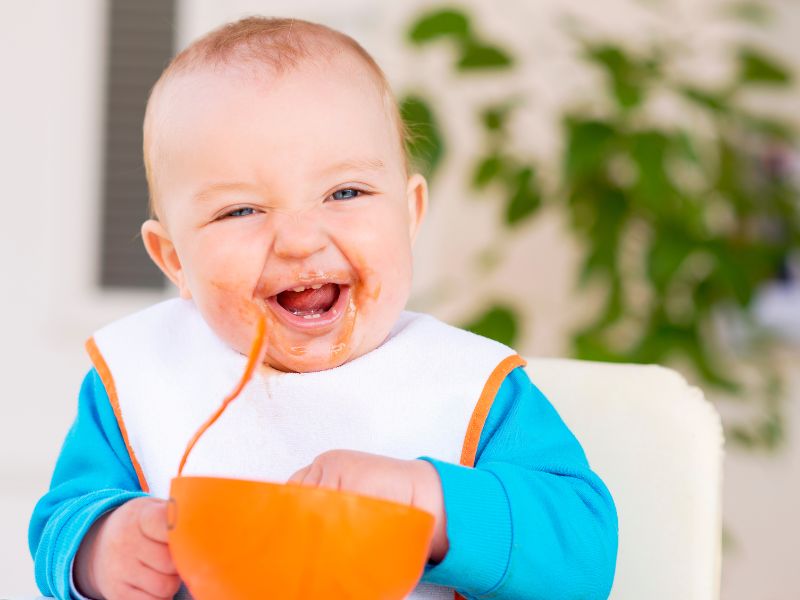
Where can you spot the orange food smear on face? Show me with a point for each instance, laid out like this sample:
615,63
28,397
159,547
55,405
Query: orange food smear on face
359,295
255,357
342,342
348,324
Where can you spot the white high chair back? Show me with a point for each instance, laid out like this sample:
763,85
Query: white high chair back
658,445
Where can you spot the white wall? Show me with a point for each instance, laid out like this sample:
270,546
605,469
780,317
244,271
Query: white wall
52,57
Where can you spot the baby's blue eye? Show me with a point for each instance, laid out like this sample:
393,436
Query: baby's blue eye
345,194
241,212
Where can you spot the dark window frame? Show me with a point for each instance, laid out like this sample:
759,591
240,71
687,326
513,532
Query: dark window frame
140,43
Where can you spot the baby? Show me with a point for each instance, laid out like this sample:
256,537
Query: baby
279,182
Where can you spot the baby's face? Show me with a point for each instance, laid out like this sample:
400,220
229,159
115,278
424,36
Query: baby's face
286,196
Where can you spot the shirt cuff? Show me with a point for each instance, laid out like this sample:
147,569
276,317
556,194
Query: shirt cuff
479,530
74,525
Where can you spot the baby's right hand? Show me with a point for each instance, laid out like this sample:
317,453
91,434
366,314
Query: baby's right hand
125,556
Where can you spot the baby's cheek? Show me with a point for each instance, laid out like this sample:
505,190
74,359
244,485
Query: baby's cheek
231,313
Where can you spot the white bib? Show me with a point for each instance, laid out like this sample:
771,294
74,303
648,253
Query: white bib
166,372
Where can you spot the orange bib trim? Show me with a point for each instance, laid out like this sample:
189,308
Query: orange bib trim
478,419
111,389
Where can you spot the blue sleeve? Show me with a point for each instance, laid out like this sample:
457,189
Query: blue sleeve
531,520
93,475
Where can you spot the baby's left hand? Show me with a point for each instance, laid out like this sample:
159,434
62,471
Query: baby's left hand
413,482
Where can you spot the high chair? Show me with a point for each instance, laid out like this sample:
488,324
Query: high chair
658,445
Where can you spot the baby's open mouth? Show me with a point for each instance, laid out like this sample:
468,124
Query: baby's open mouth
309,302
312,306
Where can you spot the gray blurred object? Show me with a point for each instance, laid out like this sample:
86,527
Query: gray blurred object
140,44
778,306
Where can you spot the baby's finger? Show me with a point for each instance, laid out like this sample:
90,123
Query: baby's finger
157,556
309,475
314,476
153,521
131,592
330,478
299,475
154,583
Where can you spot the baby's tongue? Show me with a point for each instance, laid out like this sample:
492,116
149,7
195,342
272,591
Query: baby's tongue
309,301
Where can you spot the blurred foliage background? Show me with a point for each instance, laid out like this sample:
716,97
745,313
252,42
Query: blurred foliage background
680,226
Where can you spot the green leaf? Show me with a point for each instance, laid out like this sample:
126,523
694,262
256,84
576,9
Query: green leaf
654,186
664,340
425,145
757,68
668,250
440,23
685,146
494,118
592,346
613,309
771,128
499,323
600,213
736,271
751,12
593,343
478,56
486,170
525,198
701,356
655,345
713,101
768,431
588,146
767,435
629,77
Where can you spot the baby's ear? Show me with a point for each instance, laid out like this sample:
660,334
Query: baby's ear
161,249
417,197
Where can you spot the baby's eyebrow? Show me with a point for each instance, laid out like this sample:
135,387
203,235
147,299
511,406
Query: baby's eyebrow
211,189
352,164
355,164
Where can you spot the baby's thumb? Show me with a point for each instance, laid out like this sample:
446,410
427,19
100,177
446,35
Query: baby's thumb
153,520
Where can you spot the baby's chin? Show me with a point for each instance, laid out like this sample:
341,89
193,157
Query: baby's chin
318,355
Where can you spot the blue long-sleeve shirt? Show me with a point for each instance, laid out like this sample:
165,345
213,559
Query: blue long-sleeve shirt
531,520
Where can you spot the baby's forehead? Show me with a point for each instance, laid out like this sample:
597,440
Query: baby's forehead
320,67
318,74
337,98
312,113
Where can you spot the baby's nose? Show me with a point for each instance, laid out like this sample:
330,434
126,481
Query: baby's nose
297,235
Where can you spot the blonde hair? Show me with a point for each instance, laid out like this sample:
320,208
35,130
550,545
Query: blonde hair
277,43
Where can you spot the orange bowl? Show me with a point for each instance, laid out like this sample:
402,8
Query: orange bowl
235,539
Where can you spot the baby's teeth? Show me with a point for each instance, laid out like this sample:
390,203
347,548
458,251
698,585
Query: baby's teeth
298,289
316,287
313,316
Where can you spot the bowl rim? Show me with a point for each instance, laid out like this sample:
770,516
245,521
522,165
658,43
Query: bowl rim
298,489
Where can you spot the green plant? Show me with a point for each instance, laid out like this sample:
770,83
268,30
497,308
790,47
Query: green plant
695,218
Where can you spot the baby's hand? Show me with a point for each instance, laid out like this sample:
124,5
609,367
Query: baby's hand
125,555
413,482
